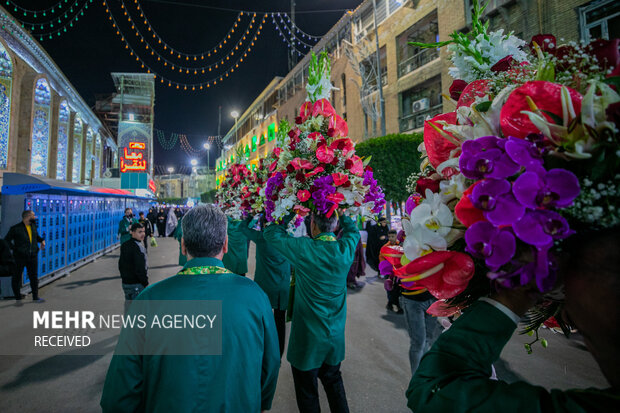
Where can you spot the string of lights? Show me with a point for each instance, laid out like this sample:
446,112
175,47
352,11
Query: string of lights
176,84
296,28
51,9
53,19
58,30
190,56
292,35
167,143
286,40
188,69
187,147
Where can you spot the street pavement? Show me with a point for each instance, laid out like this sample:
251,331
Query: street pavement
376,370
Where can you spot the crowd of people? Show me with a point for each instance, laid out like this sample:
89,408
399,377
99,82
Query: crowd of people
304,278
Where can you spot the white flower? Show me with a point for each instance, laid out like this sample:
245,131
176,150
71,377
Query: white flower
452,188
433,214
420,240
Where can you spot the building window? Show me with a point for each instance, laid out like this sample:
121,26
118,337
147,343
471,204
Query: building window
600,19
371,62
409,57
77,150
343,77
419,103
63,141
6,81
40,128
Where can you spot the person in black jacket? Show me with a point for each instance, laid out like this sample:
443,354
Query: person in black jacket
7,263
24,241
148,229
132,263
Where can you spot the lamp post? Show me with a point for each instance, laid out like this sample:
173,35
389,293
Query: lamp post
208,149
379,80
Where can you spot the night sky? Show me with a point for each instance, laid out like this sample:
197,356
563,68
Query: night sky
89,51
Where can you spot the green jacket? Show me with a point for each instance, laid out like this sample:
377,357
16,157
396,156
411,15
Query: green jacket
123,228
236,259
320,306
273,271
454,375
178,235
242,379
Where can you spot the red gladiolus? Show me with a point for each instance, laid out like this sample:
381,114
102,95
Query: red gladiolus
444,273
423,184
299,163
344,144
546,42
340,178
457,88
477,88
438,145
303,195
305,112
324,154
316,170
322,107
465,211
337,127
503,65
545,95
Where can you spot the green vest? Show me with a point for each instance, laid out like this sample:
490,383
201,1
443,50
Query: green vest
123,228
236,259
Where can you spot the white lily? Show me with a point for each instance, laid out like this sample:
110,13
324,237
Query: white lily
420,240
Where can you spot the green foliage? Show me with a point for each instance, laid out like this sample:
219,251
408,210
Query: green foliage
393,159
208,197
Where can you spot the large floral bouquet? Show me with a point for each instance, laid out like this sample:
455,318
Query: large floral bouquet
529,156
317,169
238,192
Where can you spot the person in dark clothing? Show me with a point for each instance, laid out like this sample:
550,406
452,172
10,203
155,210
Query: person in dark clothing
152,217
161,223
377,237
394,292
132,264
7,262
24,240
125,224
148,229
358,268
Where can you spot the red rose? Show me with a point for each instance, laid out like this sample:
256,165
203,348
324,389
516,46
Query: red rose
300,177
465,211
423,184
438,142
289,168
303,195
503,65
298,120
546,96
277,152
456,88
605,51
613,113
546,42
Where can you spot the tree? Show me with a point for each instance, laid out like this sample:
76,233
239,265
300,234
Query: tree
394,158
208,197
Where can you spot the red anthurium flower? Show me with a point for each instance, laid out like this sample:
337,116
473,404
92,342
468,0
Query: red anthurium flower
323,108
301,210
444,273
344,144
324,154
546,42
294,134
465,211
545,95
305,111
355,165
438,142
315,171
315,136
336,198
303,195
277,152
441,309
273,165
477,88
503,64
337,127
299,163
423,184
457,88
605,51
340,178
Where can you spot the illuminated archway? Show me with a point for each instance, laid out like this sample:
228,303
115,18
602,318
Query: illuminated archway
63,140
40,128
6,82
77,149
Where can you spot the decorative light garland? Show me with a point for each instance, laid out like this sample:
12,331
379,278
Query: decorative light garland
61,28
167,144
285,39
43,12
297,29
191,56
290,32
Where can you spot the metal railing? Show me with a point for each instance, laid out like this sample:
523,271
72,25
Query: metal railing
417,60
416,120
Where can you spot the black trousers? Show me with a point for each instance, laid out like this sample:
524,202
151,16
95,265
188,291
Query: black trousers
307,391
32,269
280,318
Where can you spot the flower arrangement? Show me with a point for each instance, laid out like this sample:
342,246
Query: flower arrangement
530,156
317,169
238,192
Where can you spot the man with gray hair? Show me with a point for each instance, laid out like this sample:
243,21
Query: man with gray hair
243,378
316,344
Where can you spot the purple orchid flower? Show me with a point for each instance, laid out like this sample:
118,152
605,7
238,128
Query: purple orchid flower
524,153
324,187
494,197
556,188
496,246
486,158
543,269
541,227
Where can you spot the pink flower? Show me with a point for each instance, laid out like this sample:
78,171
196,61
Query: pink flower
355,165
301,210
299,163
340,178
324,154
337,127
304,112
303,195
316,170
457,88
503,65
344,144
315,136
322,107
546,42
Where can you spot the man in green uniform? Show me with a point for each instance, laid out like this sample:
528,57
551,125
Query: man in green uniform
273,275
243,378
316,345
236,259
178,235
125,225
454,375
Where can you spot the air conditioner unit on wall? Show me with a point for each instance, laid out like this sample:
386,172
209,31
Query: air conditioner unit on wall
420,105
